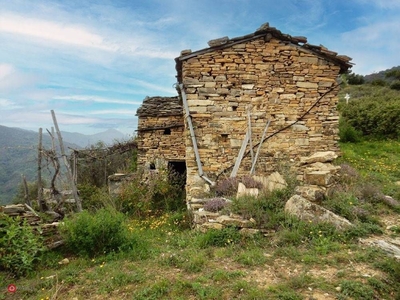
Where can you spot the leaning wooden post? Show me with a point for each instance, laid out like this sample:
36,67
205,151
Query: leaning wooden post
75,169
26,191
69,172
41,202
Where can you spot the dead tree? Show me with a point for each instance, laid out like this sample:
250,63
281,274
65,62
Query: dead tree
51,156
69,172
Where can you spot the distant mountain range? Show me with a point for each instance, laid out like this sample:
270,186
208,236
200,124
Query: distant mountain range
18,154
108,137
380,75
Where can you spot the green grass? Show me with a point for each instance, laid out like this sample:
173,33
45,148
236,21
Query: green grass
296,260
379,159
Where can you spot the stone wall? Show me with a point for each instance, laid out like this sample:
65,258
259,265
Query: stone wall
268,79
160,132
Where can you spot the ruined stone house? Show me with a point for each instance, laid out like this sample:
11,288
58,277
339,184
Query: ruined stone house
245,105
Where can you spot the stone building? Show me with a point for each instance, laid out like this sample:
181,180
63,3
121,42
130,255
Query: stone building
247,104
160,134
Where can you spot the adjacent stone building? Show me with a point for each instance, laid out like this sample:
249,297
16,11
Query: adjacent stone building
245,105
160,134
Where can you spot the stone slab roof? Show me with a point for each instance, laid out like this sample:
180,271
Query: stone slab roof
267,32
160,106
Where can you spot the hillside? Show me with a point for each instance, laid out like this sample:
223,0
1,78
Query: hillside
18,154
380,75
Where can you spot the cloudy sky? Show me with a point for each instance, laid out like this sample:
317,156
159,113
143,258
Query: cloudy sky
93,62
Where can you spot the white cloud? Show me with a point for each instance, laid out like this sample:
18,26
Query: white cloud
89,98
62,33
11,78
71,119
121,41
8,105
155,87
5,71
373,47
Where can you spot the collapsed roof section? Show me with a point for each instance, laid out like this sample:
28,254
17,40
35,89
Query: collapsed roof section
160,106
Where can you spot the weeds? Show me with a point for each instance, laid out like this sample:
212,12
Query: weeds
98,233
357,290
220,238
20,248
267,210
151,192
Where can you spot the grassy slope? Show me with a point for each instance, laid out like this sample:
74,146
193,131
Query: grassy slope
296,262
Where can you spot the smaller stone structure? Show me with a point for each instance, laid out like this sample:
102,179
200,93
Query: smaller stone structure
160,132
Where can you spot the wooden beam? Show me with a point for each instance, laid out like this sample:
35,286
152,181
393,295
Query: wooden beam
240,155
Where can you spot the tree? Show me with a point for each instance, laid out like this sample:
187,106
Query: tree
395,74
355,79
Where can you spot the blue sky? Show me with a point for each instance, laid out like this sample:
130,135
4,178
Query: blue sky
93,62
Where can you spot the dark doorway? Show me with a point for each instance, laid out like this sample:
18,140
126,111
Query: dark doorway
177,172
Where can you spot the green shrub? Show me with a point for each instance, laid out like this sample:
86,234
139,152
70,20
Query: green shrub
395,85
355,79
91,234
267,210
376,115
347,133
378,82
147,193
19,246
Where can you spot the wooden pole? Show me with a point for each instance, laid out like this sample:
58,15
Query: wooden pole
253,165
26,191
249,129
240,155
75,162
41,202
69,172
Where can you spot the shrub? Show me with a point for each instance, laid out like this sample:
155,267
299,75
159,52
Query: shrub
267,210
157,191
94,198
395,85
215,204
371,115
355,79
378,82
91,234
347,133
19,246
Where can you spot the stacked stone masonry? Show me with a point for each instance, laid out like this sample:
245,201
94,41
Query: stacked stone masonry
264,76
160,132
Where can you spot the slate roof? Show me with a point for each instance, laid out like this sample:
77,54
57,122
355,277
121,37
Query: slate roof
266,32
160,106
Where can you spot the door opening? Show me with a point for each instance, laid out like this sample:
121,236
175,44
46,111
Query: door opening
177,173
